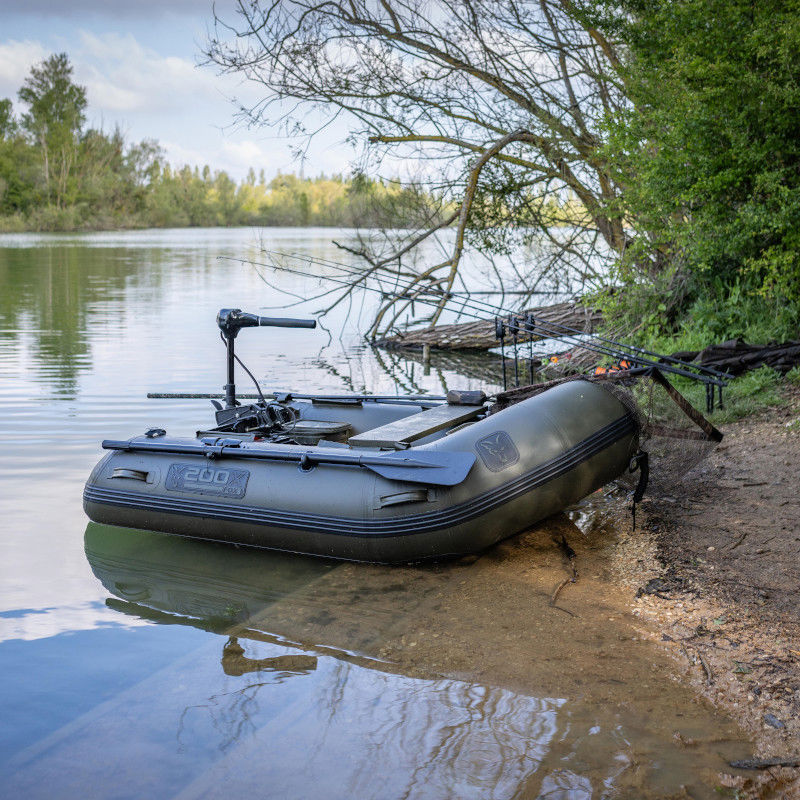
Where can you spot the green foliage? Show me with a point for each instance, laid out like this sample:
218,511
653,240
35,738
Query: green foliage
709,154
745,395
56,105
55,174
54,119
8,125
20,175
748,393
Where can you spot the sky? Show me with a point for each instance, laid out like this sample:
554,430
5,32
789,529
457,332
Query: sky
140,61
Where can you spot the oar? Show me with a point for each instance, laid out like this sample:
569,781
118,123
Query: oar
432,468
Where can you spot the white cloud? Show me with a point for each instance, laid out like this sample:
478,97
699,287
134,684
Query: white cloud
119,74
233,156
16,60
122,76
243,153
178,155
154,94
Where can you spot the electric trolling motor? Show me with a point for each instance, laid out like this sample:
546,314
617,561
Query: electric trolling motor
231,321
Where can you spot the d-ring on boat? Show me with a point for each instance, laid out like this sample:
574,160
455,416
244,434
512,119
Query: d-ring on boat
365,478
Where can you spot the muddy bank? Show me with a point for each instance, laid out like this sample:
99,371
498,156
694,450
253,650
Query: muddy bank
723,595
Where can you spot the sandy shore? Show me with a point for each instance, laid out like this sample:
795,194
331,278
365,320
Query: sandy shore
718,569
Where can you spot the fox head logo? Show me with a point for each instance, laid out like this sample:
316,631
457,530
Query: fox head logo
497,451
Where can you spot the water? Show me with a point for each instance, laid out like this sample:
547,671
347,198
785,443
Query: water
138,665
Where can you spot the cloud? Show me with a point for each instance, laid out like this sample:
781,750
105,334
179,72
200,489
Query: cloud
178,155
234,156
102,8
123,76
16,60
120,75
244,153
153,94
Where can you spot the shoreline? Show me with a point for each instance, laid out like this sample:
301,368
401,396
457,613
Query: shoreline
719,591
151,227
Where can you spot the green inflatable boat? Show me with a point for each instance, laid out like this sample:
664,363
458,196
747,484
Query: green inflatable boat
364,478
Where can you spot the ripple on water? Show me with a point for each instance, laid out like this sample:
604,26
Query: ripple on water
139,665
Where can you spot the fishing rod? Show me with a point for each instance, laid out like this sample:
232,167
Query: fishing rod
615,349
630,348
470,310
570,339
550,327
413,399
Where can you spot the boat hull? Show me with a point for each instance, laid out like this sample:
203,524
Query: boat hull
533,460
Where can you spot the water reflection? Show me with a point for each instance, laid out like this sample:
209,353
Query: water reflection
235,662
51,300
214,587
319,672
432,735
484,367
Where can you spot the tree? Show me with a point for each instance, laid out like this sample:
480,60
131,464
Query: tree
54,120
710,146
8,125
505,97
18,168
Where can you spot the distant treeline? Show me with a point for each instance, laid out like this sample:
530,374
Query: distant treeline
58,174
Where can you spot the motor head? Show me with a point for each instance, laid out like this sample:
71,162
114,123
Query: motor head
232,320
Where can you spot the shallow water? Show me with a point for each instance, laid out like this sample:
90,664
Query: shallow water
139,665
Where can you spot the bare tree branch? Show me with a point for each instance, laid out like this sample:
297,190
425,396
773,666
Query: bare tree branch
499,104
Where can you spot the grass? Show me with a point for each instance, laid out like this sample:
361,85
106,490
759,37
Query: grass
748,394
745,395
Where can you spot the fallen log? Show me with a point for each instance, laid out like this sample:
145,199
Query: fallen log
479,335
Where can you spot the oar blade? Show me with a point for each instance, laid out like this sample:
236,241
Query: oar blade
441,468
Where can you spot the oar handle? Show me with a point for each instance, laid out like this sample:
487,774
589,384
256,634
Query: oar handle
433,469
221,446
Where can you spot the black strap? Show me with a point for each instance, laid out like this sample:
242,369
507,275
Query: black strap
640,461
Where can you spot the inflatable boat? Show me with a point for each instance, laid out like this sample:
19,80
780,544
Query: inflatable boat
362,478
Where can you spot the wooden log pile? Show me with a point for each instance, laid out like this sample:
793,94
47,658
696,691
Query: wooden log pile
480,335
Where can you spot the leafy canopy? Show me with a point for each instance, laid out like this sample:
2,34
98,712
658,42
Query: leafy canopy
710,152
56,105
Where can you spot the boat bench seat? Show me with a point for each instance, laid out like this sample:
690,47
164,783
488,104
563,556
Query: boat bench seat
402,432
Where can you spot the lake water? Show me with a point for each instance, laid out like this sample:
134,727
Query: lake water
137,665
